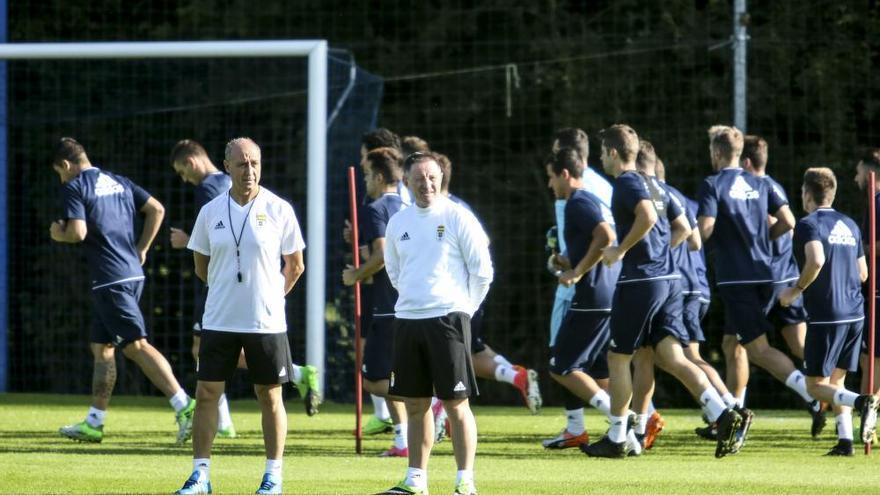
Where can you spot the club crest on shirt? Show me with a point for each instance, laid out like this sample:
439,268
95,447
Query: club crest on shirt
441,229
261,219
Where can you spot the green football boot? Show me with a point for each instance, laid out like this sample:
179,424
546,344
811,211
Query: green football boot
83,432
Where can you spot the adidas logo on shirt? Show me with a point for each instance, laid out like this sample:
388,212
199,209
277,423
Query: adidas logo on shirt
841,234
219,225
106,186
459,387
405,236
742,190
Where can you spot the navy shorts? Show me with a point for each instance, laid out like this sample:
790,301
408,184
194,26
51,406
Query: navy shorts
791,315
695,309
866,335
644,313
379,349
582,344
477,344
118,318
267,355
746,307
830,346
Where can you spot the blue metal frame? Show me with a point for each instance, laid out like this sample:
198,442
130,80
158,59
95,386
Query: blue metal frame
4,214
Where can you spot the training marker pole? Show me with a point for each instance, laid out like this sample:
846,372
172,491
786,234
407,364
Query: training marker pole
358,352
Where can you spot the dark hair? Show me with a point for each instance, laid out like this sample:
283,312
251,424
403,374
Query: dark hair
820,184
726,141
870,157
446,168
186,148
623,139
755,149
418,157
647,157
577,139
411,144
68,149
385,161
567,159
380,138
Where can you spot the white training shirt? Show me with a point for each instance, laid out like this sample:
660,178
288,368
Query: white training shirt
256,304
438,260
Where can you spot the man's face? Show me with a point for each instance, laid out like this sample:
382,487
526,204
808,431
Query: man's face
423,180
185,171
63,172
607,160
372,182
555,182
244,166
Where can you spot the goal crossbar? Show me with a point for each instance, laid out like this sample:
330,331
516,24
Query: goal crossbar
316,51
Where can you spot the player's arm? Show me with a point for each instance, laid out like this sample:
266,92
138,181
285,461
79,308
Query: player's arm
646,217
784,222
603,236
200,263
695,240
680,230
71,231
293,269
374,263
863,269
179,238
814,260
153,212
706,226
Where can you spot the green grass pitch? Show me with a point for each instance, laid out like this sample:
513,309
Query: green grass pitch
138,455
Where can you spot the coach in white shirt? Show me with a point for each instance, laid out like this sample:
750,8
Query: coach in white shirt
238,243
437,257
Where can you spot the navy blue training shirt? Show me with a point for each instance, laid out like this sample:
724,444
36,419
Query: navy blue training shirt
108,204
740,203
684,262
784,266
836,294
583,212
698,258
651,257
383,295
211,186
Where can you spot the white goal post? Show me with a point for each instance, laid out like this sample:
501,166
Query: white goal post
316,51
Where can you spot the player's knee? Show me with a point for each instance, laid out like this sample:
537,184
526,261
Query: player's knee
136,348
268,395
208,394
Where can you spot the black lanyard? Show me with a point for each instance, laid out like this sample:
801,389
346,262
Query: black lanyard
238,238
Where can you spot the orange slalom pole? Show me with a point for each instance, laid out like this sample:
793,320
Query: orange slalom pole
872,284
358,351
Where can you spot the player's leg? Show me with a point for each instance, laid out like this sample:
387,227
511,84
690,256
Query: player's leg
736,361
91,429
377,373
866,355
464,437
643,393
794,335
842,419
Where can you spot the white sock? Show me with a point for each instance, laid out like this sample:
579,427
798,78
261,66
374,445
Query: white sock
741,398
729,400
95,417
297,374
575,418
203,466
617,432
796,382
224,420
504,373
380,408
179,400
400,436
416,478
713,403
845,426
641,423
273,467
651,408
602,401
499,359
843,397
466,475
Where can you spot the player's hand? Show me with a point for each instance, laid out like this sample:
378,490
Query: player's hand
179,238
611,255
346,232
56,230
789,295
568,278
349,277
142,256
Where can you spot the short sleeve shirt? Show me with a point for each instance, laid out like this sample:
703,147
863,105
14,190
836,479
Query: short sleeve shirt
267,228
740,203
698,258
583,213
651,257
211,186
836,294
690,281
785,268
383,295
108,204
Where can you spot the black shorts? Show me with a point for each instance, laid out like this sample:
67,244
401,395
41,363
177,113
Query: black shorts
582,344
830,346
432,356
379,349
695,309
201,295
644,313
792,315
746,310
267,355
477,344
118,319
